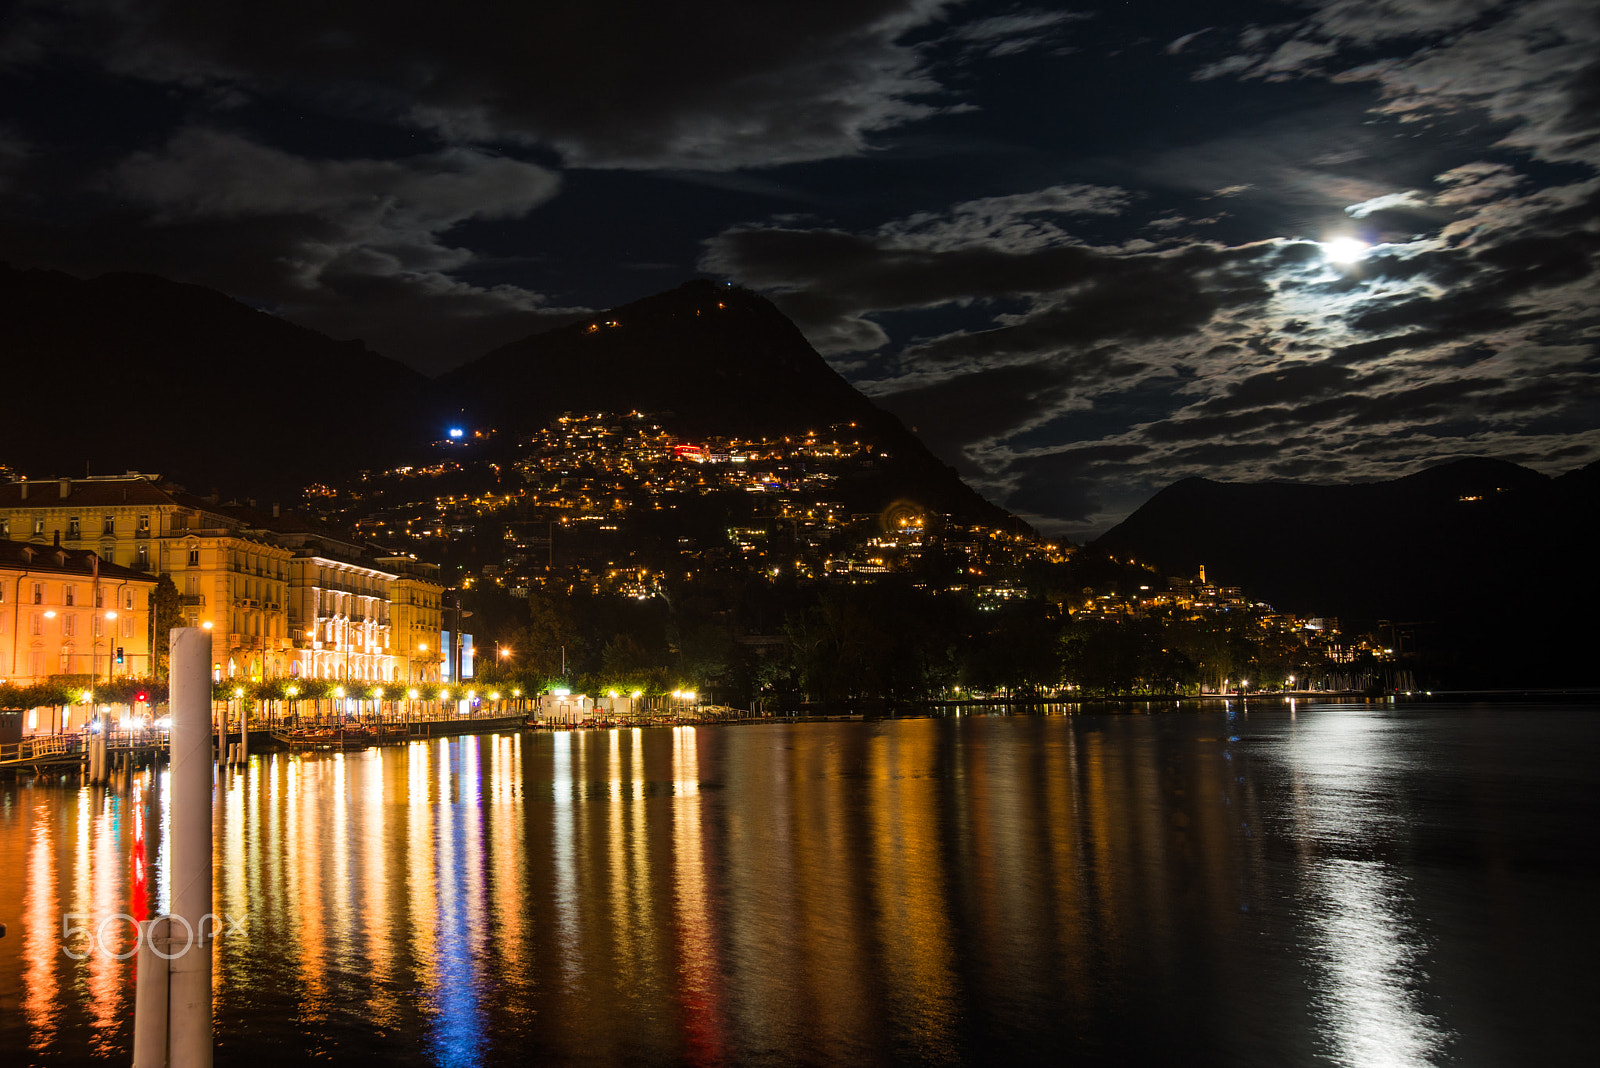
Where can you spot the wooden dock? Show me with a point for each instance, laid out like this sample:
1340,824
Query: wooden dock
64,752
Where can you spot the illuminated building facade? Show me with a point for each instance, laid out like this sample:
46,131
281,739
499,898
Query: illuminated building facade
280,599
65,612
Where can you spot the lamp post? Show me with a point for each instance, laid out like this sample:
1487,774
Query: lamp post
111,662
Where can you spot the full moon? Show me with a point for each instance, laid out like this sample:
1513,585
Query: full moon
1344,249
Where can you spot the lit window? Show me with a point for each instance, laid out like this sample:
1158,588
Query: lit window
72,527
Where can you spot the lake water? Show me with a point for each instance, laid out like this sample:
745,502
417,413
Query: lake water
1353,884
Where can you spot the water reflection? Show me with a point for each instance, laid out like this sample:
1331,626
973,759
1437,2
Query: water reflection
1367,940
1227,886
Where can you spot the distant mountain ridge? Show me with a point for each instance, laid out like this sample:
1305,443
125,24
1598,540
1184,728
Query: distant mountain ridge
130,371
706,358
135,371
1493,559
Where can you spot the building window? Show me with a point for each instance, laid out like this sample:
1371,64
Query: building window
69,595
99,627
35,623
69,625
142,556
72,527
127,626
110,526
5,528
194,557
38,526
144,524
38,593
127,599
99,597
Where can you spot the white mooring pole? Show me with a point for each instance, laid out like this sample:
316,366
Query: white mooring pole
190,998
150,996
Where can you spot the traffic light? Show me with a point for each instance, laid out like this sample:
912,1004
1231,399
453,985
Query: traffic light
141,698
119,654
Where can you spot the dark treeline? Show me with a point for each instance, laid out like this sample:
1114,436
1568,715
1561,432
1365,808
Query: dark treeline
888,640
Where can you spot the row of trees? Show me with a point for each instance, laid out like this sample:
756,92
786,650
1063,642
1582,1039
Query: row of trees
886,640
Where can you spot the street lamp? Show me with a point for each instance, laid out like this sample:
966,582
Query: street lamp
111,647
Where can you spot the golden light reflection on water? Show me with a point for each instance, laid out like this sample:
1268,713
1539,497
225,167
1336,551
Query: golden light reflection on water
701,995
41,945
909,878
923,891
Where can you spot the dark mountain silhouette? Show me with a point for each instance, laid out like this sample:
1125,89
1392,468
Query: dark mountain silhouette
132,371
1487,565
704,359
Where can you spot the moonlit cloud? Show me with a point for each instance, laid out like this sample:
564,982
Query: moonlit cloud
1084,251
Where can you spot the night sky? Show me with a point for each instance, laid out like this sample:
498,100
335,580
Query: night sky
1084,251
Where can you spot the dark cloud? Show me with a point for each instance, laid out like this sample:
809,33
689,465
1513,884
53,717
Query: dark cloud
606,83
1296,382
1069,484
952,414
